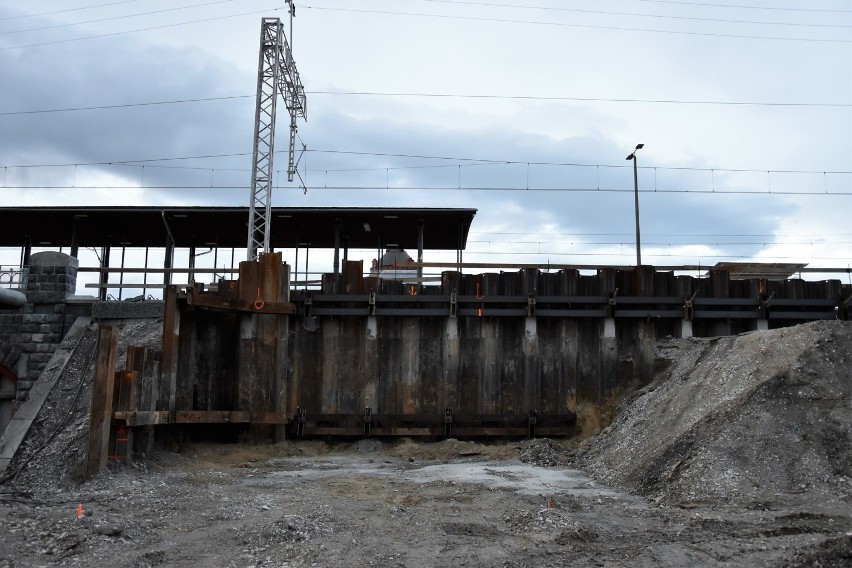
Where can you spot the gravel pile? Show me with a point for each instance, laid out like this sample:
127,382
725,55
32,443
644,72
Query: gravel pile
759,418
544,452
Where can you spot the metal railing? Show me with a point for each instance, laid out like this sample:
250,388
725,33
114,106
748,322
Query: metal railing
13,276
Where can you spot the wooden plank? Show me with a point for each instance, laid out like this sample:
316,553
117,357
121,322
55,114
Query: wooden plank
281,371
151,380
400,431
268,418
142,417
102,392
567,430
490,431
778,315
187,362
248,287
123,392
326,431
121,438
264,395
136,363
212,417
169,358
160,417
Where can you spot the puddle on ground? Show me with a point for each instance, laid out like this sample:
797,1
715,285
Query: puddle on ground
506,475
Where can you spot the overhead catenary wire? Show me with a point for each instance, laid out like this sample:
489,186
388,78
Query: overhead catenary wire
715,235
605,253
65,10
675,2
653,243
436,95
775,8
441,16
631,14
573,25
472,161
147,29
119,17
767,192
577,99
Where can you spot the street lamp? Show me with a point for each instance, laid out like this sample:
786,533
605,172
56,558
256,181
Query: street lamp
632,156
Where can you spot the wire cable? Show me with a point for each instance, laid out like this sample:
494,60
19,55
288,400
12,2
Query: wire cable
111,18
163,26
433,95
577,99
776,8
569,25
632,14
473,162
126,105
208,187
79,8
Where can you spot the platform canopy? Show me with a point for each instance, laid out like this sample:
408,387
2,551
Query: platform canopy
227,227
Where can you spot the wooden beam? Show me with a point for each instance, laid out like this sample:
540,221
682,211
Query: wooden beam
215,302
142,417
212,417
169,357
102,393
161,417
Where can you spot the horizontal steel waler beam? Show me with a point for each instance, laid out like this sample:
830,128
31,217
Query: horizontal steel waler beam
162,417
664,307
432,425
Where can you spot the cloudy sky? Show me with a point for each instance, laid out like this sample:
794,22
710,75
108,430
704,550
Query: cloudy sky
522,109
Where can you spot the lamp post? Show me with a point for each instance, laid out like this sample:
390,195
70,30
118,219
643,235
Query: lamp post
632,156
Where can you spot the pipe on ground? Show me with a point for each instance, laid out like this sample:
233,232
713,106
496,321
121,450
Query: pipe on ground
12,298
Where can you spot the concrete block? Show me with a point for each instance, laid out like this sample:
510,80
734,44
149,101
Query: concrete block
9,355
22,367
7,329
37,359
41,319
44,297
51,259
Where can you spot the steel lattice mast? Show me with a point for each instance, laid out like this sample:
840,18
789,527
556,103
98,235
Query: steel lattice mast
276,74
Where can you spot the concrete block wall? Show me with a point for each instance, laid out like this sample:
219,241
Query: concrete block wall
36,329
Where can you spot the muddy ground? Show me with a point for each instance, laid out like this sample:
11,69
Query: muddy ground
737,454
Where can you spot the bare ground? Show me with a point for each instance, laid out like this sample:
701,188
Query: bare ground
737,454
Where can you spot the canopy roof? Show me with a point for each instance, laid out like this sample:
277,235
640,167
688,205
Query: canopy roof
443,229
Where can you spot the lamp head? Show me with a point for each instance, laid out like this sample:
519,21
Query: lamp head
632,155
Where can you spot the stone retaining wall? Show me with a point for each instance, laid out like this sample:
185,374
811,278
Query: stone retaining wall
36,329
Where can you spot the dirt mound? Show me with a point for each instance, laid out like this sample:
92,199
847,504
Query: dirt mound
762,417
